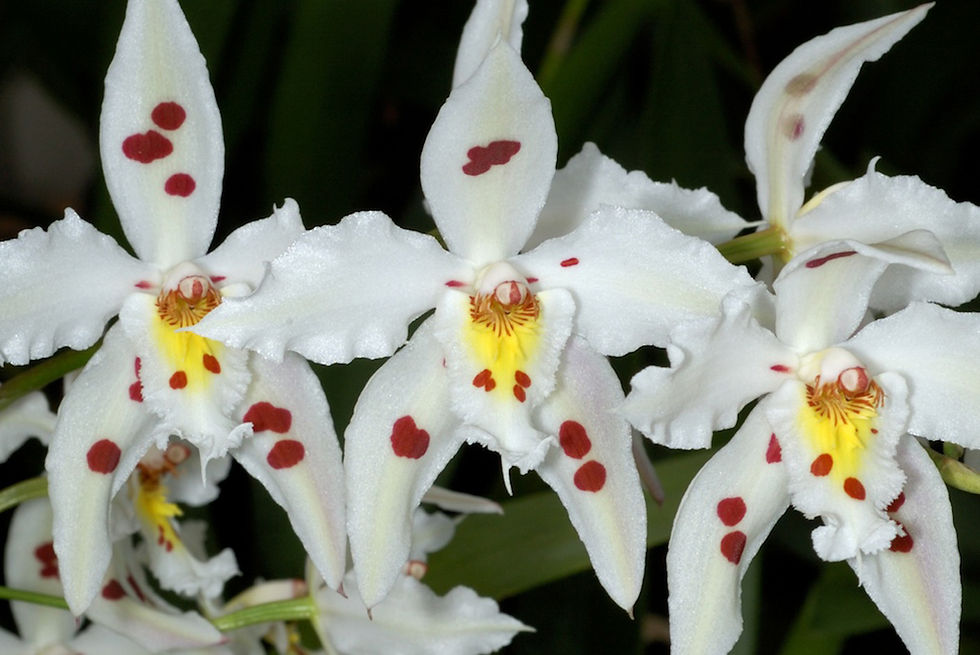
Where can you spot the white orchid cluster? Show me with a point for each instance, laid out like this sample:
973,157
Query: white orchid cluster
539,276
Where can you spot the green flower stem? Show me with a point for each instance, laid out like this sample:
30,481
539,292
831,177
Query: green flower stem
561,40
281,610
955,473
44,373
753,246
16,494
33,597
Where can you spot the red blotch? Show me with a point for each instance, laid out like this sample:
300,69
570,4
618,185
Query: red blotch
168,115
731,510
796,128
142,284
519,393
522,379
178,380
732,546
820,261
408,440
211,363
779,368
591,476
136,391
897,503
49,561
496,153
136,588
571,261
148,147
266,416
821,465
484,379
902,543
285,454
113,590
574,439
103,456
854,488
874,430
217,278
532,280
774,453
180,184
455,283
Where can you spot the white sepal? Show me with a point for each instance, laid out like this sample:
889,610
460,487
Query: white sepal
26,417
489,21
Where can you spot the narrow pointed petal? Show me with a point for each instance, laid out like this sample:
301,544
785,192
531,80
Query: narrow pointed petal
243,256
27,417
936,350
724,517
401,436
454,501
796,102
592,470
489,159
490,20
102,432
916,582
97,639
591,179
633,277
59,287
161,142
294,453
341,292
717,366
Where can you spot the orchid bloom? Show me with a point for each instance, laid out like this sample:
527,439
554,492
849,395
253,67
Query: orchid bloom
513,356
899,219
833,435
162,153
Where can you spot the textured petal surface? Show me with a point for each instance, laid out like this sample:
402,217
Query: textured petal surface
717,366
28,417
724,517
161,142
936,350
59,287
793,107
916,582
490,20
489,159
399,439
591,179
592,470
293,451
633,277
102,431
340,292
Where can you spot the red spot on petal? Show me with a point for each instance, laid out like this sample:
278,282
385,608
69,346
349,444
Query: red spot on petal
496,153
902,543
407,439
180,184
821,465
571,261
874,430
136,391
142,284
731,510
148,147
732,546
574,439
490,385
820,261
591,476
136,588
49,561
113,590
168,115
211,363
522,379
774,453
779,368
794,126
484,379
455,283
897,503
217,278
285,454
178,380
854,488
519,393
266,416
103,456
532,280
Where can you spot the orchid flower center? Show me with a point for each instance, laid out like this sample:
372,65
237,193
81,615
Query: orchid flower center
188,302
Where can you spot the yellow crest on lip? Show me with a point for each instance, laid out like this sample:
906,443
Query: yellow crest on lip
194,359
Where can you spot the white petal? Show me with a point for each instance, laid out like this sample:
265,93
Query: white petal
936,350
294,453
26,417
717,366
796,102
194,488
591,179
97,639
593,472
59,287
490,20
916,583
454,501
399,439
496,380
341,292
430,533
102,432
725,515
414,621
633,277
489,159
162,149
243,256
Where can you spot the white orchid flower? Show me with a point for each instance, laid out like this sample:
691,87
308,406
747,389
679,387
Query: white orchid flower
833,435
162,152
